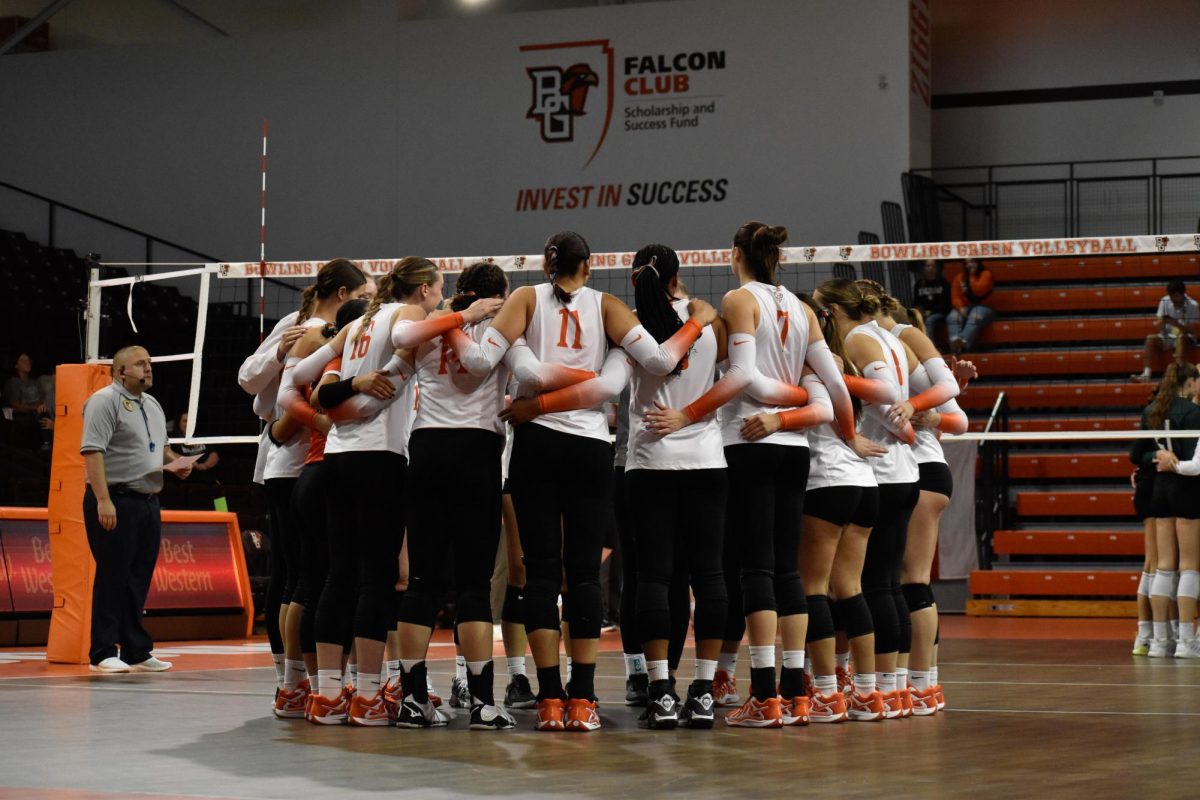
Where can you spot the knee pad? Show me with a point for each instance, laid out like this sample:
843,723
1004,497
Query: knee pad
513,609
1189,584
1163,584
712,606
885,620
820,618
918,596
586,609
789,594
758,591
855,614
419,605
473,606
1145,583
905,619
835,613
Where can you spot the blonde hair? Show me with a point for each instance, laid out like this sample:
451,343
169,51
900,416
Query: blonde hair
850,297
409,274
871,288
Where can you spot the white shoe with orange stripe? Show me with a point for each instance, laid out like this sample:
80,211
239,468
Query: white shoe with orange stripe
757,714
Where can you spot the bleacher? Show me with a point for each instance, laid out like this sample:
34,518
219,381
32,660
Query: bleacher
1069,333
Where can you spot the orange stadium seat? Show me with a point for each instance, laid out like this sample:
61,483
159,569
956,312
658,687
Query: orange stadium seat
1081,464
1100,503
1069,543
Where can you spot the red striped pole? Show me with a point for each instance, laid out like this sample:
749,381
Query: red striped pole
262,246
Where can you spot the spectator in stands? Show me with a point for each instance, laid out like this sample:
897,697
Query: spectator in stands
931,295
1176,315
208,458
971,313
24,397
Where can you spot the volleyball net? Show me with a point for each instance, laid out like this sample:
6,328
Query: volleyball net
1071,321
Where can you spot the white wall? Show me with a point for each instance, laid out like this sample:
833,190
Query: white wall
985,46
397,137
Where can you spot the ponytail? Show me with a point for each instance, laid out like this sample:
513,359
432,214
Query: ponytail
888,304
308,303
382,295
850,297
760,246
836,346
409,275
564,254
653,268
1173,380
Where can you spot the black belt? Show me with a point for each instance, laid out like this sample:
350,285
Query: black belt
121,490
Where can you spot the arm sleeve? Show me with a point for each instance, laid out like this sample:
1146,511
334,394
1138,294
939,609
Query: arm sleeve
407,333
262,367
1191,466
820,358
332,395
953,420
609,383
742,357
943,386
874,386
479,358
818,411
292,400
310,368
777,393
660,359
536,376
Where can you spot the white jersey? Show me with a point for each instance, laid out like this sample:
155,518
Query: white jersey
451,397
696,446
572,335
833,463
927,449
387,429
287,460
781,342
899,465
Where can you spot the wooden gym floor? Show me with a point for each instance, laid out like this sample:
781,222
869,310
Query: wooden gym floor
1036,708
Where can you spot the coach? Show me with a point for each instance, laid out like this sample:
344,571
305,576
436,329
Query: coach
124,448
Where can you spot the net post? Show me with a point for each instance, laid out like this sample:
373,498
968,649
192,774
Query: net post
198,350
92,353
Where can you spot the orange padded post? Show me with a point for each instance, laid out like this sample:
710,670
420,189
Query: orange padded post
70,558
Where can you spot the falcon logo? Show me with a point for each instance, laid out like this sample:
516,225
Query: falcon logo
561,96
1161,243
1196,240
810,253
844,252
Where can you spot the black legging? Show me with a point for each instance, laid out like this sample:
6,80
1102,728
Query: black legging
453,501
285,555
766,491
881,569
677,507
309,501
364,551
562,489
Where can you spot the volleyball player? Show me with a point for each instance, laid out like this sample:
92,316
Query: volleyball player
772,332
1176,507
368,458
561,470
886,363
936,485
1142,480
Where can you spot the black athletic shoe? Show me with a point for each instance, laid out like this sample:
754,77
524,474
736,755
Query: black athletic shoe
460,694
419,715
636,690
490,718
519,694
662,710
697,712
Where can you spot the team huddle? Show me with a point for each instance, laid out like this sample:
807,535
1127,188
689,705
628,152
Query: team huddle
777,464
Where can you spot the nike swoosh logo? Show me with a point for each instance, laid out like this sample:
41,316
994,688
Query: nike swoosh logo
635,341
492,342
742,342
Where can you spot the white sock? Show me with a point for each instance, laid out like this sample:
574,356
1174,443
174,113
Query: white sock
705,670
476,667
1162,630
727,662
886,681
793,659
825,684
901,677
919,680
762,656
393,668
1187,631
1175,629
329,683
842,660
658,670
808,670
294,672
568,669
1145,629
864,682
635,664
280,669
1145,372
352,672
373,683
933,675
516,666
460,668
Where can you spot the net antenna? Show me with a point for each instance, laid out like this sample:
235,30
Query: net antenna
262,250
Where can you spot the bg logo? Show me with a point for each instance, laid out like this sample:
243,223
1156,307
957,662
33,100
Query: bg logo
1161,243
561,95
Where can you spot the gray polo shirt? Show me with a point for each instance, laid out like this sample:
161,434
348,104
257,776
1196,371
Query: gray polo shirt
123,427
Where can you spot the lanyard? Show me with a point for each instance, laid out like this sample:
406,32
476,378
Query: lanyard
146,421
